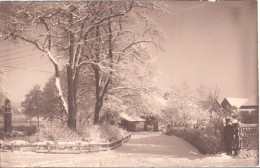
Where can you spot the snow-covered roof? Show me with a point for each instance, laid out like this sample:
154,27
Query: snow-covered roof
237,102
253,101
130,118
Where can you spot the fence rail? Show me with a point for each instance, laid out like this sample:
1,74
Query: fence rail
66,148
19,123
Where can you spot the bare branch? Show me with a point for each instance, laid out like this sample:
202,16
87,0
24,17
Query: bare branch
28,40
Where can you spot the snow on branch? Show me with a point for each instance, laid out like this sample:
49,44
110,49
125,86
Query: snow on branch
27,40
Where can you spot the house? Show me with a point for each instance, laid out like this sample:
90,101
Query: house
136,123
132,123
231,105
233,102
249,111
215,106
252,103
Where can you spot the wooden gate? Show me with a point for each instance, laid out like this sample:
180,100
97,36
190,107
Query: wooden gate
249,136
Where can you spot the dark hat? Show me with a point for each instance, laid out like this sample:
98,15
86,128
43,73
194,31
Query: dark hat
227,119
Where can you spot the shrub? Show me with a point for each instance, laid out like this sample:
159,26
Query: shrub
206,141
54,131
111,132
90,133
100,133
28,130
57,131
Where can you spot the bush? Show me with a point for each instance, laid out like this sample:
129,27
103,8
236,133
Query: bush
57,131
54,131
206,141
111,132
90,133
28,130
101,133
19,131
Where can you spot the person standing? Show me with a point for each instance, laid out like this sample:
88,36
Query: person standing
228,136
236,137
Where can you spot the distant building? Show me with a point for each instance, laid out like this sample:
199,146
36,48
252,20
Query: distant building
233,102
249,111
215,106
250,104
132,123
136,123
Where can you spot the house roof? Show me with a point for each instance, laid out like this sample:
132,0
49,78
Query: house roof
237,102
130,118
253,101
205,104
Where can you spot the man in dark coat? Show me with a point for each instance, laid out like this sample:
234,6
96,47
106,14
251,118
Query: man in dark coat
228,136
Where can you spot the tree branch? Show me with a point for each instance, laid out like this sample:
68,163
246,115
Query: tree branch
28,40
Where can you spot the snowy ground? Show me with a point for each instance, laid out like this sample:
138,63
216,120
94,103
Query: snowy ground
144,149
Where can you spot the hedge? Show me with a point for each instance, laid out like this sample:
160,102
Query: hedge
206,141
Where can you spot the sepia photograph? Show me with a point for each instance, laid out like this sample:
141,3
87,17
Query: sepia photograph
129,83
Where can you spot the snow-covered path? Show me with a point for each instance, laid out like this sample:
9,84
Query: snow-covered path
143,149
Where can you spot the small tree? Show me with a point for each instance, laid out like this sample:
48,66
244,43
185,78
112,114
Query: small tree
51,105
33,103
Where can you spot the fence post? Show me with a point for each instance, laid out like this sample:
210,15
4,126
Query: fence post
48,147
7,116
80,147
12,147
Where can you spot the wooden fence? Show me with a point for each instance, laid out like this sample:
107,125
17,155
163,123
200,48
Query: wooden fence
249,135
81,147
19,123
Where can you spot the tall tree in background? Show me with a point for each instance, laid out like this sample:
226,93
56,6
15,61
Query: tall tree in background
52,106
83,34
33,103
214,94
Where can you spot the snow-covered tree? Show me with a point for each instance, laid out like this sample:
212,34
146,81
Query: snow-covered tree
82,33
135,88
33,103
52,106
183,108
3,91
119,41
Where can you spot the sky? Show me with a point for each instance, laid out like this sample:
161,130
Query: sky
211,44
206,43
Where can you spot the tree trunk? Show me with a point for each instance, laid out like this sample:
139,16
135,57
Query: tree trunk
72,111
37,112
101,92
97,111
97,104
71,101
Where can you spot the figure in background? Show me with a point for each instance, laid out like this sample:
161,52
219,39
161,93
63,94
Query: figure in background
228,136
236,137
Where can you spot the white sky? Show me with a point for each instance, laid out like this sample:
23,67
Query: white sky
206,43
